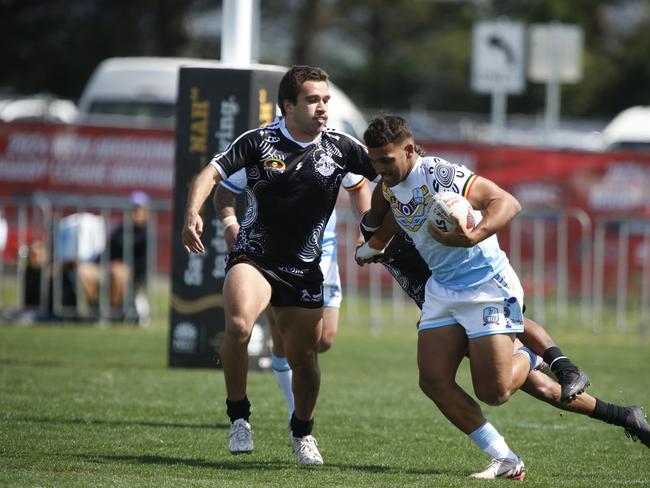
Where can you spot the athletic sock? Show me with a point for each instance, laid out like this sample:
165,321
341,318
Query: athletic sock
239,409
301,428
556,360
610,413
491,442
283,373
533,359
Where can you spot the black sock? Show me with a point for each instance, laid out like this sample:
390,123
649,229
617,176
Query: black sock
556,360
301,428
610,413
240,409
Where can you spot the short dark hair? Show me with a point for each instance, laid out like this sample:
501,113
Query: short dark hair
294,79
387,129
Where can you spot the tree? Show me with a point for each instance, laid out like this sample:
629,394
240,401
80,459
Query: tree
54,46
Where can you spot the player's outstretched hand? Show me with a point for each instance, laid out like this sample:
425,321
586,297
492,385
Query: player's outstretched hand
192,230
366,254
458,237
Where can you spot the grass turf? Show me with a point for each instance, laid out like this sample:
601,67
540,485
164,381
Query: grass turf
89,406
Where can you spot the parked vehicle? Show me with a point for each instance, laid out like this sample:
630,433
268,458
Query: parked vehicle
141,91
629,130
37,108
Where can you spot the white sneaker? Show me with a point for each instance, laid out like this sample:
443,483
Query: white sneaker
306,449
512,469
240,437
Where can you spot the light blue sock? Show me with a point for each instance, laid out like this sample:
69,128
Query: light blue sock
485,435
283,374
532,357
279,363
491,442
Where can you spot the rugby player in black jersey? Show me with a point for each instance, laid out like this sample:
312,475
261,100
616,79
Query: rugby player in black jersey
294,169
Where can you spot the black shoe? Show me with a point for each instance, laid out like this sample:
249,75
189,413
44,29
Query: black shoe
636,426
573,382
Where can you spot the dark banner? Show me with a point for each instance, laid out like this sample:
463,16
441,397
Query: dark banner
214,106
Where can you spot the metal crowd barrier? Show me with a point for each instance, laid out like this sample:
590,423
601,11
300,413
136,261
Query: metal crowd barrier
547,231
566,261
39,217
573,271
622,246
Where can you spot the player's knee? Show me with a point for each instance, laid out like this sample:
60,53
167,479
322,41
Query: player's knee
545,391
305,360
238,330
493,396
432,385
325,343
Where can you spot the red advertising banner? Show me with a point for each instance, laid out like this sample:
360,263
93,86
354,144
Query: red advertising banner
68,159
599,183
612,185
64,161
91,160
96,161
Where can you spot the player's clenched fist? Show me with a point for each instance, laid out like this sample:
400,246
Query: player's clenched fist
192,230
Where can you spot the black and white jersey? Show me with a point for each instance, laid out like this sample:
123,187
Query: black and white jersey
291,189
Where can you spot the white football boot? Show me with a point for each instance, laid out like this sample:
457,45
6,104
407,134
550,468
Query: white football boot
512,469
306,450
240,437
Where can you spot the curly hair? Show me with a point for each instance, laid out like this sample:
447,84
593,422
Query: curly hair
387,129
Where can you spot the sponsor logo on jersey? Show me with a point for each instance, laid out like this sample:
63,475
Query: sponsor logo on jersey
413,214
274,165
308,297
326,165
490,315
292,270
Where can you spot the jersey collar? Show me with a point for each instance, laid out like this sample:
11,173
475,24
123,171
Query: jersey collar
285,133
412,176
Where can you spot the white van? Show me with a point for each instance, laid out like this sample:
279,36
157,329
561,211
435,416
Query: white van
142,91
629,130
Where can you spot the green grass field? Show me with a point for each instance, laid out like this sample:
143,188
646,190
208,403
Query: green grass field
83,406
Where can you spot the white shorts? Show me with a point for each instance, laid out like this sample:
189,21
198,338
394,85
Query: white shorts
331,280
494,307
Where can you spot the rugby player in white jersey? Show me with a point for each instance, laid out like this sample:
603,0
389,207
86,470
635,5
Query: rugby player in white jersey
224,202
473,293
294,168
402,260
387,137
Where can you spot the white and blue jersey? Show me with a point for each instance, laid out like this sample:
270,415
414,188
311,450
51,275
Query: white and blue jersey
474,287
455,268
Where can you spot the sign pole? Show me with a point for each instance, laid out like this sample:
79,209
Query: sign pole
555,58
552,114
498,119
498,67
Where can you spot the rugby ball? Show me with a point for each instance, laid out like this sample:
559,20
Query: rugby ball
445,206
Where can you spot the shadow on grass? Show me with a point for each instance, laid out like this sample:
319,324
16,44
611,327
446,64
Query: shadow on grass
244,462
117,423
62,363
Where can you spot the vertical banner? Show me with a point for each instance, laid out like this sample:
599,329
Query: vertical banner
214,106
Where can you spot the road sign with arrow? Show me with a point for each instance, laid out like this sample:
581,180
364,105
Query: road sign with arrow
498,57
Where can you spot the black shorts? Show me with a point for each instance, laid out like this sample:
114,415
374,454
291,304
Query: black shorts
291,286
